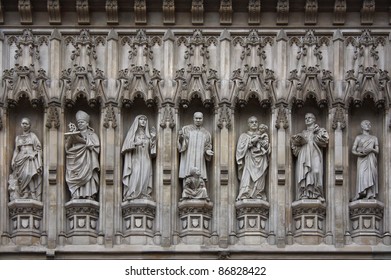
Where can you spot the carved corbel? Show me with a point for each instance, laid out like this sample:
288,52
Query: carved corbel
25,12
169,11
54,11
254,12
339,118
282,118
197,12
339,11
83,12
367,12
110,118
167,119
224,116
282,12
53,118
140,11
226,12
112,11
311,12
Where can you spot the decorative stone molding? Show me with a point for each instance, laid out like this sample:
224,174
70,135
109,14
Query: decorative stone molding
82,221
339,119
197,12
366,218
83,79
282,12
54,11
309,221
340,12
168,117
83,11
368,12
26,221
169,11
53,119
224,116
254,12
112,11
311,12
110,119
195,221
24,7
252,216
282,118
226,12
140,11
138,219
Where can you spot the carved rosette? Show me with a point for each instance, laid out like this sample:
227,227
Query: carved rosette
309,221
138,217
252,217
195,220
26,219
366,221
82,219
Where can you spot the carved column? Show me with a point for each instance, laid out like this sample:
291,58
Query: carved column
168,190
222,144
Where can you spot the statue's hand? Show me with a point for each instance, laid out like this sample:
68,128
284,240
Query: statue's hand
209,152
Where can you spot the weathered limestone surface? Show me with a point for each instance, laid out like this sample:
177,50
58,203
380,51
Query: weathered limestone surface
145,69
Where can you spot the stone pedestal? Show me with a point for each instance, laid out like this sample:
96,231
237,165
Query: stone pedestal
366,221
26,221
195,221
82,221
138,219
252,221
309,221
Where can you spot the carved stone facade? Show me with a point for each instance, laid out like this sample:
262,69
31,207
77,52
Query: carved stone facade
141,76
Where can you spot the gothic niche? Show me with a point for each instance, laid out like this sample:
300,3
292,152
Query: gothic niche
25,90
252,94
196,93
83,94
310,92
139,93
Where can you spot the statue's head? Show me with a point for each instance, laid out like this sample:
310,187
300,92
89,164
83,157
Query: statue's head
198,119
83,119
195,172
25,124
309,118
252,123
263,128
366,125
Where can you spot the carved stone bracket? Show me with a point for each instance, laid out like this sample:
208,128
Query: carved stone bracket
167,119
368,12
282,118
83,11
226,12
82,221
53,119
224,116
366,217
252,217
25,12
311,12
339,118
254,12
138,220
54,11
26,221
309,221
197,12
169,11
112,11
282,12
110,118
195,221
340,12
140,11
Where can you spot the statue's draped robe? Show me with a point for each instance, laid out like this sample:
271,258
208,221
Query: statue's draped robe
367,175
252,167
137,176
82,170
194,188
309,164
196,141
26,161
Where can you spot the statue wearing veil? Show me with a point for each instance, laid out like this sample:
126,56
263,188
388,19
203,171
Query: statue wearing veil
138,148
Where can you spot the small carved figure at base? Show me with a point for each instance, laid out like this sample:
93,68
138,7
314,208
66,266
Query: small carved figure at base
366,147
194,186
13,188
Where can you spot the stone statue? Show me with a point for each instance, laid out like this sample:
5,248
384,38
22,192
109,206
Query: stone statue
307,147
366,147
252,154
82,159
138,147
195,147
194,186
25,181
